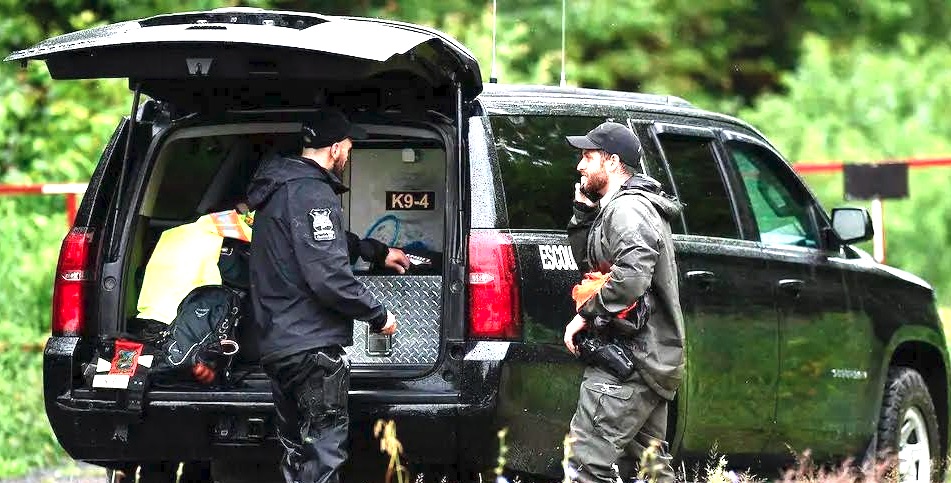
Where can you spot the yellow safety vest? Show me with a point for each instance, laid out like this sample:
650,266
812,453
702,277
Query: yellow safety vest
184,258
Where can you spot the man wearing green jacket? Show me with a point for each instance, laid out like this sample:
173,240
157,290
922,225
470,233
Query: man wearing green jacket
627,238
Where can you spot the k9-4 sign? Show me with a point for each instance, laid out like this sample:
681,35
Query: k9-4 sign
410,200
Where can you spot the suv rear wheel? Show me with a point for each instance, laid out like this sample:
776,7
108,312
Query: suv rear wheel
908,425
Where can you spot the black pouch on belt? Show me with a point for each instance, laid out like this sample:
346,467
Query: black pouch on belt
609,356
336,383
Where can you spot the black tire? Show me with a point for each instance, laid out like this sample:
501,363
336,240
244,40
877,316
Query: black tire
907,403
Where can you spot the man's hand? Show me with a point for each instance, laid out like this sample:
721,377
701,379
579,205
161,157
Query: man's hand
390,327
396,260
581,198
571,329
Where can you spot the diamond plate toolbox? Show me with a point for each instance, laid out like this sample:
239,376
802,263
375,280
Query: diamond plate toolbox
415,301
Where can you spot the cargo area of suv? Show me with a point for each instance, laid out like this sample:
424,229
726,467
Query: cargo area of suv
398,181
192,167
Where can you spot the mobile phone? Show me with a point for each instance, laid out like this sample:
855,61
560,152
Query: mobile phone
594,197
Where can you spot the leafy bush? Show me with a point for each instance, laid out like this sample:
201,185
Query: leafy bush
28,441
33,231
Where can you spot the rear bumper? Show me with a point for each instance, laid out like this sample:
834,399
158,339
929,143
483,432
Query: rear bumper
435,425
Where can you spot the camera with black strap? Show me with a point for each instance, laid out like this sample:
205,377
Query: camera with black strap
606,343
597,348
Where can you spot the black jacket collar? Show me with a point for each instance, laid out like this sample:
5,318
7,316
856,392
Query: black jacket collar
323,174
276,171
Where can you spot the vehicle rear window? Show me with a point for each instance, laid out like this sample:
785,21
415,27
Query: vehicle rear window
707,207
538,167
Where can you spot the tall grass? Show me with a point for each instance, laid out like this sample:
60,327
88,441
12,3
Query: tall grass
715,470
33,229
27,439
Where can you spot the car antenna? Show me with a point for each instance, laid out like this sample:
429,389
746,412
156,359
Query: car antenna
492,77
564,82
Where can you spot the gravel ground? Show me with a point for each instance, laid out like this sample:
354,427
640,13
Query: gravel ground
73,472
78,472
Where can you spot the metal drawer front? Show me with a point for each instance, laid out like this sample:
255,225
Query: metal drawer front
415,301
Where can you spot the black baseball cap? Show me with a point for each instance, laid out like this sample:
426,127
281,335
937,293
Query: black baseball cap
612,138
328,125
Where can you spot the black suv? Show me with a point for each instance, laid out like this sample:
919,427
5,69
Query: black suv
795,339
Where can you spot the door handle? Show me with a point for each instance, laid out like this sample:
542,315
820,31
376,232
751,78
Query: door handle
705,279
791,286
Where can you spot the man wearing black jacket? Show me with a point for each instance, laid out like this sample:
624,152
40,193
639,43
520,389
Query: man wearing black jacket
305,297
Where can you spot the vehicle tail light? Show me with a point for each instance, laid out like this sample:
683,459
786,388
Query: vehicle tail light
69,288
494,308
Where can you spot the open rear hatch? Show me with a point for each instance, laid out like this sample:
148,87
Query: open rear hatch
256,58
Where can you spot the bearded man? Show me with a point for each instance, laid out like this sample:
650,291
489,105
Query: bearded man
624,242
305,296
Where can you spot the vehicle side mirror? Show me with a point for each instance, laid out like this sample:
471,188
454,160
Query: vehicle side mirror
852,225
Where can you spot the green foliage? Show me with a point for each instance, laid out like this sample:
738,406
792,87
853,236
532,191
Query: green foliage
53,132
861,104
709,52
692,49
880,22
33,230
28,441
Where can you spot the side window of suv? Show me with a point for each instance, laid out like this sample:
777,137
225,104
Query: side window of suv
538,167
782,214
693,165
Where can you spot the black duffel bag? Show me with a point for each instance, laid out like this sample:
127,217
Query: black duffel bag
201,339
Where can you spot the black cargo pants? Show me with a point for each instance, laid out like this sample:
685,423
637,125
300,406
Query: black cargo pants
615,423
310,396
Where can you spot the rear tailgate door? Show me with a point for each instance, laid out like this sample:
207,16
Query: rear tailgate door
166,51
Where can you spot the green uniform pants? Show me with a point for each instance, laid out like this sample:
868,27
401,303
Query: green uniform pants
614,423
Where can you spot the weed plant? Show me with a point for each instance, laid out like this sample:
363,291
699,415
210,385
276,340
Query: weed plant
714,470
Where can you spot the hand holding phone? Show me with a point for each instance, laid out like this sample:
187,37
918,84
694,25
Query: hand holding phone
581,196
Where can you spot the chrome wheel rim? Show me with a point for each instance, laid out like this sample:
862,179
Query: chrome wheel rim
914,449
